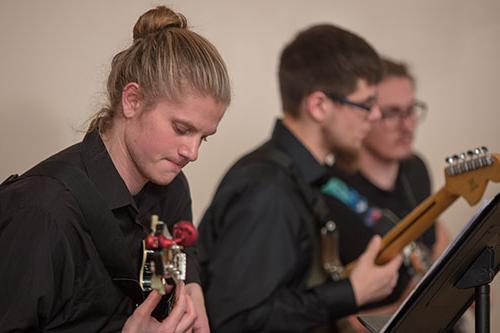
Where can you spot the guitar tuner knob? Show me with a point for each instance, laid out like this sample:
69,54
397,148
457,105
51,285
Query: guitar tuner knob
185,233
484,149
461,156
165,242
152,242
449,160
477,151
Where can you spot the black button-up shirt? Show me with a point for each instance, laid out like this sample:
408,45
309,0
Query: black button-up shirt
53,277
257,247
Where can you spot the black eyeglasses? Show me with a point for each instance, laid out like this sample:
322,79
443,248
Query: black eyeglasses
363,106
394,114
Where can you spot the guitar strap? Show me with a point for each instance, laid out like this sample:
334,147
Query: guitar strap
314,200
379,220
373,217
98,221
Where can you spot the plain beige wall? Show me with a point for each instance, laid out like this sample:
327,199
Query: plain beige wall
55,58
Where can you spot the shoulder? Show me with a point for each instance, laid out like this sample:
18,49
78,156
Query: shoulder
256,190
414,171
415,161
39,203
39,192
40,210
254,172
38,187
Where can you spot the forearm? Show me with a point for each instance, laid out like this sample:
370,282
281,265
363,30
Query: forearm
294,310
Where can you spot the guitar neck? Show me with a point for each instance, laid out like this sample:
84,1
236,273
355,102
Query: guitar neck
414,224
466,175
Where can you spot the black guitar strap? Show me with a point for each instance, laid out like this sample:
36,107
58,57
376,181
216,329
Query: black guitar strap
315,202
312,198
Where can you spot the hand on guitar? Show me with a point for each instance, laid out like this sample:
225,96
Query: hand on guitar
201,323
370,281
181,318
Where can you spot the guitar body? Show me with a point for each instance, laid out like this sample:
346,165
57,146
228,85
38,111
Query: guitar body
146,274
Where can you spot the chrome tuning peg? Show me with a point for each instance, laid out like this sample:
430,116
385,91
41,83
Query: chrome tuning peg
453,165
483,157
449,160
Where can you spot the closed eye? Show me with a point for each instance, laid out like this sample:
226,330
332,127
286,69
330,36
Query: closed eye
181,129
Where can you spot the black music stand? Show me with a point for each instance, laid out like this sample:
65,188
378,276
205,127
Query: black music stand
459,277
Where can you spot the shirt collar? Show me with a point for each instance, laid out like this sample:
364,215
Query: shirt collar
313,172
103,173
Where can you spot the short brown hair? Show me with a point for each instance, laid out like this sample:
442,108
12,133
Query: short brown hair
396,68
325,57
166,60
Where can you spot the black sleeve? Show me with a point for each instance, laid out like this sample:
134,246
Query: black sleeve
250,267
36,268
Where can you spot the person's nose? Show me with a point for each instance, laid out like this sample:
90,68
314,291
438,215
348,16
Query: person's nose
189,149
375,113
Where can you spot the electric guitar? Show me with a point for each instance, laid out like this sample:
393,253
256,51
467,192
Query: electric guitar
164,262
466,175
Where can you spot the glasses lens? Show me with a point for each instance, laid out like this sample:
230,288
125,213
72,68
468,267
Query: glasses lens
419,110
393,114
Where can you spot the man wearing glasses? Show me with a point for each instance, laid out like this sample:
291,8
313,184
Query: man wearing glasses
259,237
391,181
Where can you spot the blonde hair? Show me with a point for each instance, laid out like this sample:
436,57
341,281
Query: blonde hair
166,60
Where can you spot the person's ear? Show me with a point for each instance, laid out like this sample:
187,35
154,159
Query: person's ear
131,100
316,106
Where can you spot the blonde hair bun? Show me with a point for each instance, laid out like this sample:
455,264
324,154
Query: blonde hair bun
158,19
167,60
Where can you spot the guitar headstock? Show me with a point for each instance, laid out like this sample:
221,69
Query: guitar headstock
467,174
164,261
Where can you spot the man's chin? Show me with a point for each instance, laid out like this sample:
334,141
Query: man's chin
164,178
403,152
347,160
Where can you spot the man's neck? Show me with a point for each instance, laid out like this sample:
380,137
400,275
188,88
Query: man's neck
115,145
381,172
307,136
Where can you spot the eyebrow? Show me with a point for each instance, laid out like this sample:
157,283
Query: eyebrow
370,99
